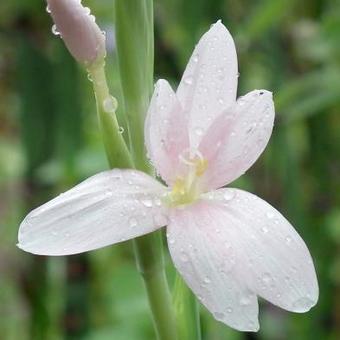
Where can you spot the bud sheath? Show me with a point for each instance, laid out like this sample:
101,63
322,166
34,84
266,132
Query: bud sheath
77,27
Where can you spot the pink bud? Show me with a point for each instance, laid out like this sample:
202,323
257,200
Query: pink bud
78,28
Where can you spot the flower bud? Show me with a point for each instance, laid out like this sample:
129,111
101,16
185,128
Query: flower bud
77,27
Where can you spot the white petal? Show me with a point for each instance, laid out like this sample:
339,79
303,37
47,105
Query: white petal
203,251
166,131
237,138
209,83
107,208
274,258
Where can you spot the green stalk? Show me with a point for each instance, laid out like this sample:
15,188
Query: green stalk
116,150
135,48
187,312
148,249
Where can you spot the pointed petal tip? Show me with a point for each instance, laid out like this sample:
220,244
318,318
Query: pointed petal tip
218,26
265,93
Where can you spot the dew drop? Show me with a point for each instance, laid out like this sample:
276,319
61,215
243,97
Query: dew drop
110,104
184,257
229,195
198,131
265,230
120,130
133,222
269,214
188,80
195,58
147,202
87,10
266,278
55,30
245,301
288,240
229,310
220,100
206,280
48,10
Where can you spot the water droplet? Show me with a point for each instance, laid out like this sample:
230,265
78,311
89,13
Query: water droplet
229,310
227,245
245,300
147,202
54,233
266,279
108,193
195,58
218,315
133,222
220,100
110,104
120,130
171,241
48,10
270,214
184,257
199,131
206,280
55,30
229,195
188,80
288,240
265,230
87,10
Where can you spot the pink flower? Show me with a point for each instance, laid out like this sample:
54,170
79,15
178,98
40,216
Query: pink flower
230,246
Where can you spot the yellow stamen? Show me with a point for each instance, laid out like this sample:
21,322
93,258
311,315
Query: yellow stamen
186,189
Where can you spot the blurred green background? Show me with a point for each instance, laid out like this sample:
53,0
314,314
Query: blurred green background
49,141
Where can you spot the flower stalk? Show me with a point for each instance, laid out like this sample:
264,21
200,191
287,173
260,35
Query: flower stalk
187,311
135,48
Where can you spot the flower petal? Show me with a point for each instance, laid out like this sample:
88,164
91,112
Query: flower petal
107,208
209,83
203,252
237,138
277,262
166,131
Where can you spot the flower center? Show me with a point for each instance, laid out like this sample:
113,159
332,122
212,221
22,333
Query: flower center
186,189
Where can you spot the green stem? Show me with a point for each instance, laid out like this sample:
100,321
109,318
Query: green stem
148,249
116,150
187,312
150,262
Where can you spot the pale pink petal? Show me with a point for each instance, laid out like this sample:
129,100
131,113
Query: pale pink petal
205,253
237,138
81,34
274,258
107,208
166,131
209,83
